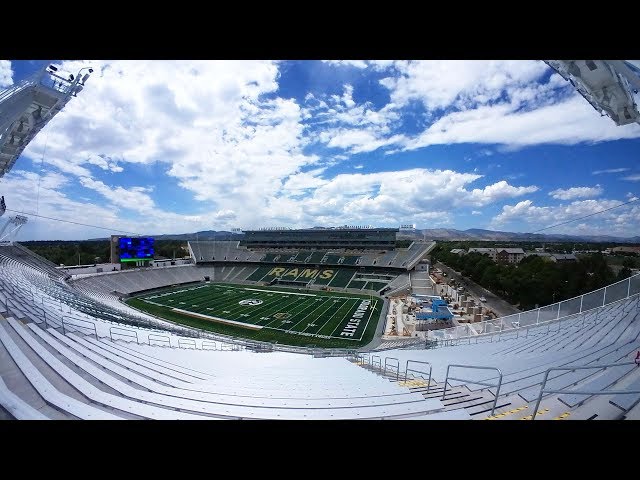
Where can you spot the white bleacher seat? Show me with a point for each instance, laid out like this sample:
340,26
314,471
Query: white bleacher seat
18,408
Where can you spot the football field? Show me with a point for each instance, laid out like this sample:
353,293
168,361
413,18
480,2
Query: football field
306,313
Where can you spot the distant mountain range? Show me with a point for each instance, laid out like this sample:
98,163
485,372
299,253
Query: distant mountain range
480,234
435,234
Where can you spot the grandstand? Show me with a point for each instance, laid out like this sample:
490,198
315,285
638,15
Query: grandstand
285,324
72,350
231,251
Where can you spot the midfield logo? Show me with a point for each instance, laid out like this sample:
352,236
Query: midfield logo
250,302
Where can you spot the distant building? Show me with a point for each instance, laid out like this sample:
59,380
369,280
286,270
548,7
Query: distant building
509,255
458,251
563,257
485,251
544,255
633,250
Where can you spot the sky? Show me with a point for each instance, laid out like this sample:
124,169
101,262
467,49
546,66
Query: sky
157,147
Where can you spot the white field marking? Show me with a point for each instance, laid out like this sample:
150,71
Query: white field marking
260,309
349,312
304,318
217,319
277,305
297,313
373,308
331,304
305,334
154,303
333,314
235,310
286,293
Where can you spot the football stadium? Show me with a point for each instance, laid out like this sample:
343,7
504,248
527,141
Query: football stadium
345,322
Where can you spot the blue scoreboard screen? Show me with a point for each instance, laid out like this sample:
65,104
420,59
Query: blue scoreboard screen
135,249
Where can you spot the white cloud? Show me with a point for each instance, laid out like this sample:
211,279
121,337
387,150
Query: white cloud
438,83
497,191
488,102
390,197
632,178
568,122
348,63
623,221
132,198
476,212
220,130
211,126
609,170
25,187
6,74
576,192
353,127
225,215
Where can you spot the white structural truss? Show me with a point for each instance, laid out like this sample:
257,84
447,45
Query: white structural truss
28,106
10,229
608,85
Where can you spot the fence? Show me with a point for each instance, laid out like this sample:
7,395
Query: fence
615,292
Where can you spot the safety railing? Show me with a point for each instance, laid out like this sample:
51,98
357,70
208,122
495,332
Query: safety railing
376,361
602,297
205,345
407,370
79,324
474,382
123,332
388,363
580,392
187,343
158,339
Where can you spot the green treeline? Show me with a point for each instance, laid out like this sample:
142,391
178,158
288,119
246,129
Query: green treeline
96,251
534,280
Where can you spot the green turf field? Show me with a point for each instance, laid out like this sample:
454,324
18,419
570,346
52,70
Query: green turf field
286,315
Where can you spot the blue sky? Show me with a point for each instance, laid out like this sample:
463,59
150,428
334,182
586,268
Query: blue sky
157,147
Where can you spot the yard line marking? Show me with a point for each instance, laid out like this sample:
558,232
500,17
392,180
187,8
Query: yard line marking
303,318
373,309
329,319
330,306
349,312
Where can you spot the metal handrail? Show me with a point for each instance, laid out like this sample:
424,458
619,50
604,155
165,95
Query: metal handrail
474,367
189,341
597,310
71,320
580,392
379,363
536,311
206,343
386,360
158,338
407,369
134,332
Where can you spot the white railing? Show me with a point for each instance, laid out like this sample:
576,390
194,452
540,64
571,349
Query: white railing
557,311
